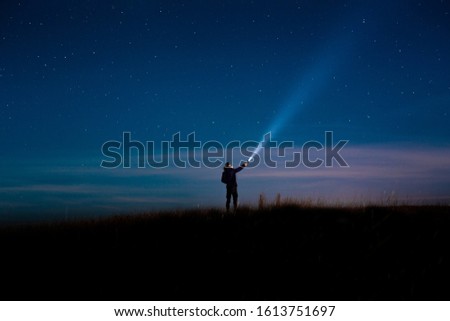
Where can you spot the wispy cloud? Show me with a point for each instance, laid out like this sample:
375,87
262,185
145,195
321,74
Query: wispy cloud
53,188
416,174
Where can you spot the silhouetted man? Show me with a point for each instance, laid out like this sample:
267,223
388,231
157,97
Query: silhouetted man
229,178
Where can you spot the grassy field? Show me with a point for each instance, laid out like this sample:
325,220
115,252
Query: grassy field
284,252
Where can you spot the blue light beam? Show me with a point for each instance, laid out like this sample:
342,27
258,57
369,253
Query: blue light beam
307,89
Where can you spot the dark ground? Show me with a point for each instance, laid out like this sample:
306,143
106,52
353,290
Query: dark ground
280,253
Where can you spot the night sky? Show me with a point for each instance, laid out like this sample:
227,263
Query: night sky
75,74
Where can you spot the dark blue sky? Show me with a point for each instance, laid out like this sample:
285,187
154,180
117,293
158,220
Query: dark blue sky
74,74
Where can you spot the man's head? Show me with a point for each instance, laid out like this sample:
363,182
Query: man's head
228,165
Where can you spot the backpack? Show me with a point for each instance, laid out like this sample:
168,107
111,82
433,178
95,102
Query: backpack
225,178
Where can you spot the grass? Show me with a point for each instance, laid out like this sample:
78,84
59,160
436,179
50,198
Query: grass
285,250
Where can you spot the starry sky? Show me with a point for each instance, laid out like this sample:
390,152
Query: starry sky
75,74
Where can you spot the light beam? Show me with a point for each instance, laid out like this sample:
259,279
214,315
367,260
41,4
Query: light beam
308,88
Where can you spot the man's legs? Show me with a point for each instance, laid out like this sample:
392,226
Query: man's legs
229,192
235,197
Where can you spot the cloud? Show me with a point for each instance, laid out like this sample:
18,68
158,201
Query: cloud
52,188
375,173
373,162
406,173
